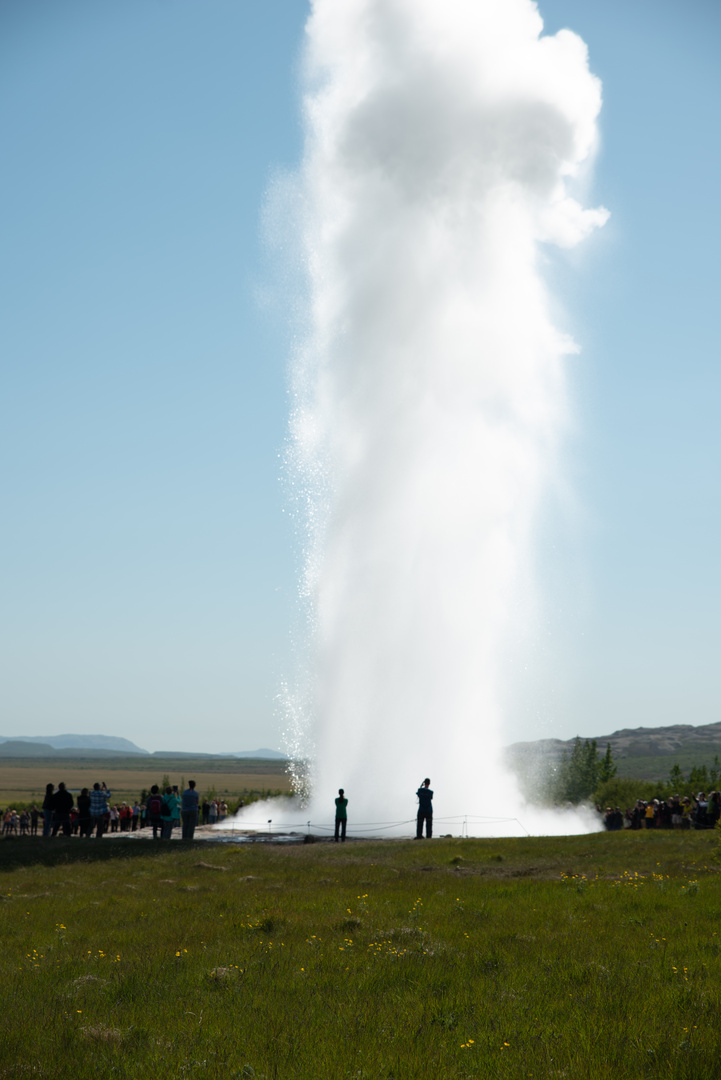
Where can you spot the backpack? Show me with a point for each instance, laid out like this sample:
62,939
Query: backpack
155,805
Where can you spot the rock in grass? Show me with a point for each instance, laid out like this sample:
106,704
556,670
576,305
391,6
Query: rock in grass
101,1033
223,974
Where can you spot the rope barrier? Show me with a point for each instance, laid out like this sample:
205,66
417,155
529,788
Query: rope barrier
463,820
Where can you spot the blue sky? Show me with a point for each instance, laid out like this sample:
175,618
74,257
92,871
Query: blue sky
148,563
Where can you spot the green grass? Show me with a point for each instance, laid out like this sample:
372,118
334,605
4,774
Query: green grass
583,957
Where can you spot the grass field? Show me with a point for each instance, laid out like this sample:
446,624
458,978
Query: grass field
24,781
584,958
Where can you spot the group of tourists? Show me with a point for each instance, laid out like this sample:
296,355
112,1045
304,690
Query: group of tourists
165,810
93,813
23,823
696,812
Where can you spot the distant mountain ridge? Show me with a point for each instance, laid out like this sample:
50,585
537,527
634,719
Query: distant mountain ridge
106,746
263,754
644,753
78,742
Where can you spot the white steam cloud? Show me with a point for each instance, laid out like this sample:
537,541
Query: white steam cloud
430,393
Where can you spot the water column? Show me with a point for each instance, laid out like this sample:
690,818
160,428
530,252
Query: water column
443,145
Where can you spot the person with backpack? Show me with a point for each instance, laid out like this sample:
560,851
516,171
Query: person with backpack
154,810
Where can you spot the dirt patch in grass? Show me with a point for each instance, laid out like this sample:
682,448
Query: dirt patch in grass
102,1034
84,980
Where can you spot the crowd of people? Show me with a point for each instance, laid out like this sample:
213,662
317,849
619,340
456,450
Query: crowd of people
94,813
696,812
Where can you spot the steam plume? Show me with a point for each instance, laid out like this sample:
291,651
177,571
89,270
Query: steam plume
443,140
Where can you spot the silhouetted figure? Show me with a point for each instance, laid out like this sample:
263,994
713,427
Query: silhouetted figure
698,816
84,819
155,810
425,810
48,809
62,805
189,810
341,816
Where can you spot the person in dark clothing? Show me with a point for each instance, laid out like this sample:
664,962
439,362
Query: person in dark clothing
48,809
676,812
665,817
155,810
84,819
189,810
62,805
699,815
341,815
425,810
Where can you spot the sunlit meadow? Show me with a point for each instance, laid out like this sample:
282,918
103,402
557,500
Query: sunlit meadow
587,957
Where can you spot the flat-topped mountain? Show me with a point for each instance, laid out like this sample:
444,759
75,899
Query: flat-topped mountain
72,742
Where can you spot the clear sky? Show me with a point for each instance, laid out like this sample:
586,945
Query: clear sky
148,563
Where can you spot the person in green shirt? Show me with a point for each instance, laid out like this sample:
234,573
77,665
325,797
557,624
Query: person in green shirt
169,814
341,815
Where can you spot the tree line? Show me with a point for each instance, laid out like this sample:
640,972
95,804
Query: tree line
584,775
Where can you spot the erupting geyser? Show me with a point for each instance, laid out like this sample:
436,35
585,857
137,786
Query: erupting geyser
430,392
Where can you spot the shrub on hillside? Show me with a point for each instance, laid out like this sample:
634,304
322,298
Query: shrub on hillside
623,792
